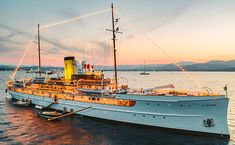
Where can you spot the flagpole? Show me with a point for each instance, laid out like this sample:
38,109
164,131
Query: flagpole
226,90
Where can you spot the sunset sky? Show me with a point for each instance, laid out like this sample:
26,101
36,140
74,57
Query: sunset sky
187,30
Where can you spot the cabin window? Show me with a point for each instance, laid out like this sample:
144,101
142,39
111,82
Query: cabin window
93,99
143,115
98,99
153,116
147,103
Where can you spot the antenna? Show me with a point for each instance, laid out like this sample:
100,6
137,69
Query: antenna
114,31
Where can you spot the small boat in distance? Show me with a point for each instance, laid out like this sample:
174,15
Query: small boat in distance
144,73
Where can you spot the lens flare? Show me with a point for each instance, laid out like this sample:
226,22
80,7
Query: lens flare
23,56
75,19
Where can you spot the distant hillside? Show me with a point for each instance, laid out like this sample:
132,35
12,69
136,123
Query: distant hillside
6,67
215,65
130,67
12,67
190,66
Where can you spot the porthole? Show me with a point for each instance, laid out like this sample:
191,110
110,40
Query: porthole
64,109
147,103
153,116
134,115
143,115
164,117
181,105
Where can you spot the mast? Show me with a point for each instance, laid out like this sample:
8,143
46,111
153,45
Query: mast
39,53
114,47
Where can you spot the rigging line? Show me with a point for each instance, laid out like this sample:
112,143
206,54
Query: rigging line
120,40
118,45
108,47
92,53
100,32
83,49
23,56
105,47
75,19
156,45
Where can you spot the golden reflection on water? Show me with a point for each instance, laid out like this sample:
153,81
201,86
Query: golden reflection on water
26,127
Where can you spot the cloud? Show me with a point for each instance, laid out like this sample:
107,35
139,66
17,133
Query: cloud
68,13
6,49
15,31
58,46
8,39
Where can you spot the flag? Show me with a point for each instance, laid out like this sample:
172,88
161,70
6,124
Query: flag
225,87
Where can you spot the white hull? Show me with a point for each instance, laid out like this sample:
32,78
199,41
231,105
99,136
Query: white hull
174,112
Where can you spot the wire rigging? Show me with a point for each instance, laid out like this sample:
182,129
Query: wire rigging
162,50
105,52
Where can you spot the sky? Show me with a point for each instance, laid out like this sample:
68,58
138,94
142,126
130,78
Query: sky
154,31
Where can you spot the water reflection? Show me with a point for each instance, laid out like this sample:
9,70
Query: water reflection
27,127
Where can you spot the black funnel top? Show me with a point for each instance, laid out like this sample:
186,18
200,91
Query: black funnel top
69,58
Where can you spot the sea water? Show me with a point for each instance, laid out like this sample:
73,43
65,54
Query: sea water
19,125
